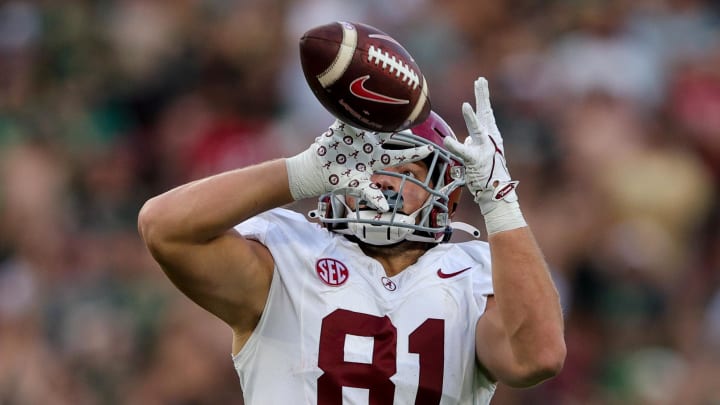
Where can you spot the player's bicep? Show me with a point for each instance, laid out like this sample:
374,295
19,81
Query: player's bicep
492,345
229,276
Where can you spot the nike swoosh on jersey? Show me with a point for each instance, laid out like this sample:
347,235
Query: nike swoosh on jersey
357,88
448,275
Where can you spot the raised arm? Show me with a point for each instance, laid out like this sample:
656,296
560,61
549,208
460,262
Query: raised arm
189,231
519,338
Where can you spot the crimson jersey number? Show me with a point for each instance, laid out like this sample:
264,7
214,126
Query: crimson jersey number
427,340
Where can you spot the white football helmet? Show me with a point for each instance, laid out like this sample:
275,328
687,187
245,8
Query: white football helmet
431,222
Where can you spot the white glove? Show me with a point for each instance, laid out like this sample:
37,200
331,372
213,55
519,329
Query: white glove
344,158
486,172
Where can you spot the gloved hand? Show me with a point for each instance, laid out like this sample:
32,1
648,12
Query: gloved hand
486,173
344,158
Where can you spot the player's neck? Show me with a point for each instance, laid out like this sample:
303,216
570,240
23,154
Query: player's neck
396,258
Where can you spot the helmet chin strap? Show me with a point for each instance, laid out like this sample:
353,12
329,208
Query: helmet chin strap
386,234
386,228
382,234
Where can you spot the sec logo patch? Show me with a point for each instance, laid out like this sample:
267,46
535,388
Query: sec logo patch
332,272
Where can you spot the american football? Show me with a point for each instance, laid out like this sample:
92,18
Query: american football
364,77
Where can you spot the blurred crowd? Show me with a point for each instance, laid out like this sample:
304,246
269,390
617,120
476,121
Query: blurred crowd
610,110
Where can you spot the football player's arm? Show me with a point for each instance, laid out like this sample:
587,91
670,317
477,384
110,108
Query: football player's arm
189,231
519,339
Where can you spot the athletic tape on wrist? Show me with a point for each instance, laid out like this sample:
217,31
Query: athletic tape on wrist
303,183
504,217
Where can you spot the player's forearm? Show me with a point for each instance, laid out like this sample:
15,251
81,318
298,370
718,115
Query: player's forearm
204,209
528,302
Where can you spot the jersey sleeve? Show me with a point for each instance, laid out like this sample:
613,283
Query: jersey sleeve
255,228
278,222
288,235
482,278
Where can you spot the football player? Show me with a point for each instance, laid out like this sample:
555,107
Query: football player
375,306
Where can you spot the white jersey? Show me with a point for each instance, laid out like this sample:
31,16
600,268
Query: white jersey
336,330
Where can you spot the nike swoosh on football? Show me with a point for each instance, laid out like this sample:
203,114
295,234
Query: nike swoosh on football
357,88
448,275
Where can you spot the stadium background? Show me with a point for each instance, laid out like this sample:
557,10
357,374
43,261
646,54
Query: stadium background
610,111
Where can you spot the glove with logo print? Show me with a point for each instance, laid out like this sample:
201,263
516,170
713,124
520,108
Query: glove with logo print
345,157
486,172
